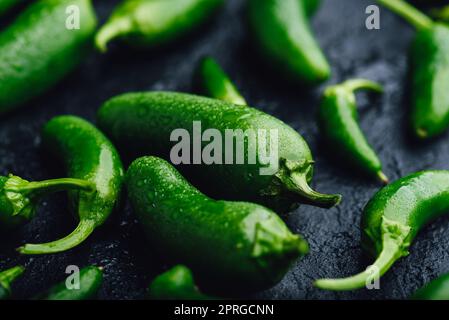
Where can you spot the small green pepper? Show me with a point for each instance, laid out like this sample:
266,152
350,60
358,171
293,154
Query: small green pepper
19,197
175,284
90,279
339,123
430,62
90,156
282,29
141,123
216,83
7,277
230,245
40,47
438,289
391,220
154,22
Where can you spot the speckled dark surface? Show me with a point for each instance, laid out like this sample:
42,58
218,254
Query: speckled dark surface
333,234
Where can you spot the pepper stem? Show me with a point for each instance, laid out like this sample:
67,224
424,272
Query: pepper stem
296,182
81,233
111,30
8,276
393,248
54,185
359,84
418,19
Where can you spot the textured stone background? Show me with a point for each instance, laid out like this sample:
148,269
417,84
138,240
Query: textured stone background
333,234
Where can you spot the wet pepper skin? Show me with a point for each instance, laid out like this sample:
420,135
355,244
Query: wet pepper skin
37,50
392,219
89,155
230,246
90,281
282,29
7,277
141,123
154,22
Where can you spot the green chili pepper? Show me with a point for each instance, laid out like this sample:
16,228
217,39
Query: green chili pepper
230,245
7,277
216,83
19,197
392,219
282,29
154,22
90,279
430,61
338,118
88,155
40,48
438,289
141,123
175,284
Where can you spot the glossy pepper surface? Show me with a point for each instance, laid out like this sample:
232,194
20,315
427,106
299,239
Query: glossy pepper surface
90,280
437,289
430,63
229,245
19,198
154,22
40,47
175,284
391,220
143,123
88,155
216,83
7,277
339,123
282,29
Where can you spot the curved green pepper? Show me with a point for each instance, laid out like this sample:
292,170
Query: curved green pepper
19,197
175,284
154,22
38,49
141,123
90,156
7,277
391,220
339,123
430,60
230,245
90,279
282,29
216,83
438,289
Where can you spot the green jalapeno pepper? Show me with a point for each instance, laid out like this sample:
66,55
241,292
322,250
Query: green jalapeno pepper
430,61
216,83
7,277
391,220
90,279
19,197
153,22
175,284
142,123
90,156
339,123
282,29
230,245
41,47
437,289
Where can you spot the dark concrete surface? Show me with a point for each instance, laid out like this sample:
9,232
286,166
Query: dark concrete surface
333,234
